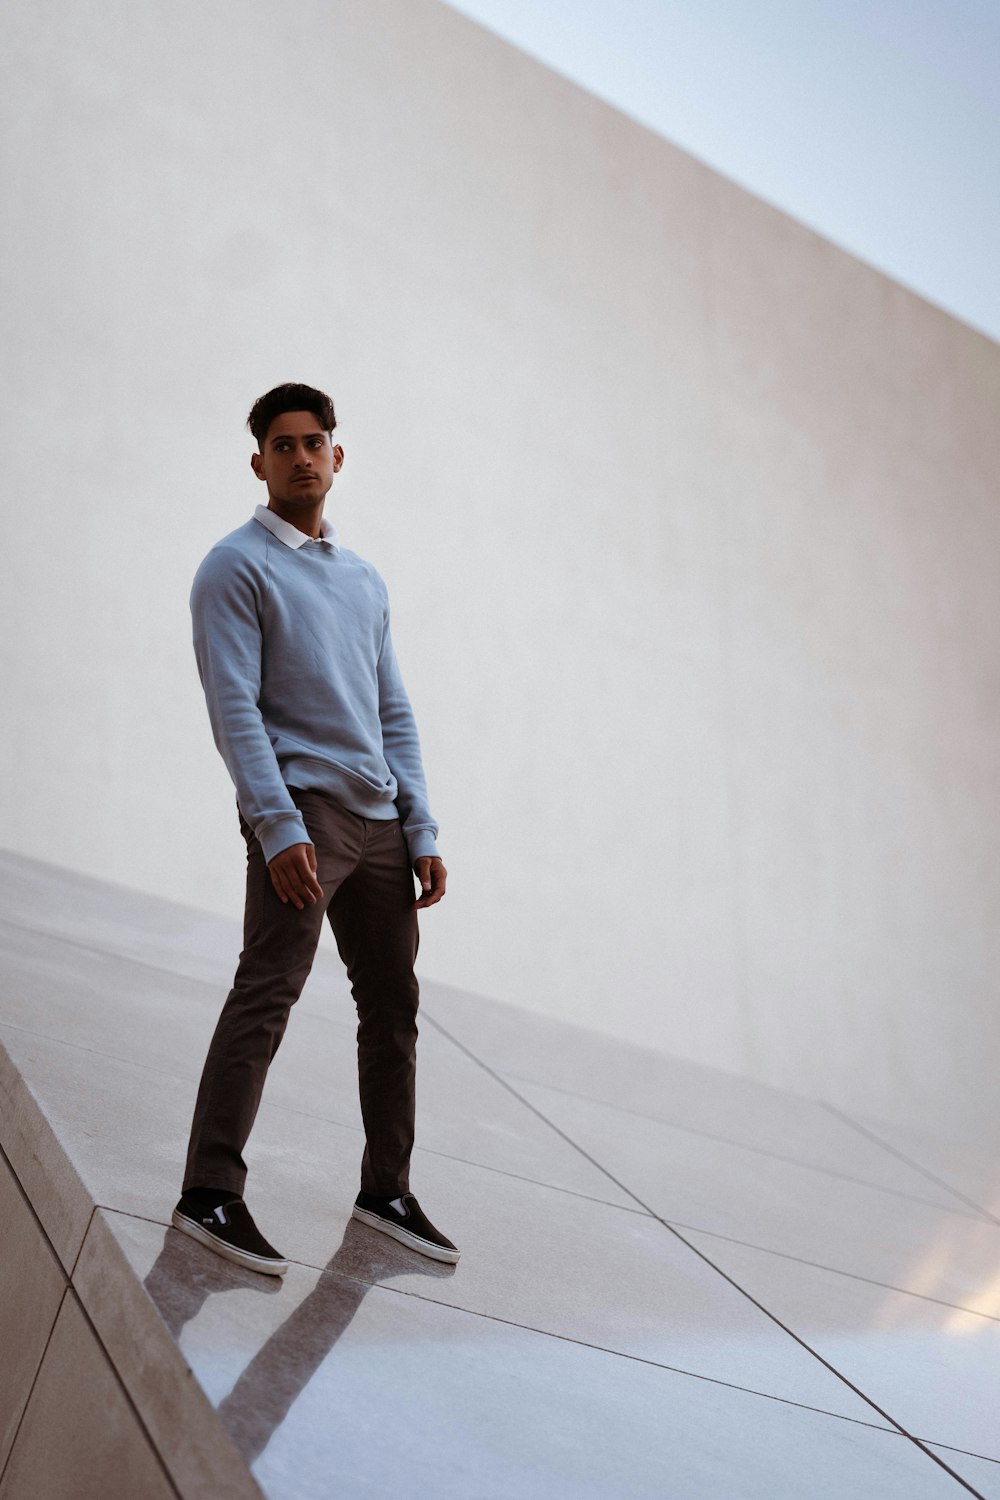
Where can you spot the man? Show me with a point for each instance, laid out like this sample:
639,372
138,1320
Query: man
309,712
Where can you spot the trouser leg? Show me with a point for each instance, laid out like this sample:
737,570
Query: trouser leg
375,925
279,945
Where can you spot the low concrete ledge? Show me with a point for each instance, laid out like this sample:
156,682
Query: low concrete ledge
96,1398
50,1182
182,1424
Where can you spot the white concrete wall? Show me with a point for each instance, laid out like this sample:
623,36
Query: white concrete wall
690,522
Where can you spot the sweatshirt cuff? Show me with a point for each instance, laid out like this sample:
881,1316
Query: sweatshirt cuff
421,843
281,833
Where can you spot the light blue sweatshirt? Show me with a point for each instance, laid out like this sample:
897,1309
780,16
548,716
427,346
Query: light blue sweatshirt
292,641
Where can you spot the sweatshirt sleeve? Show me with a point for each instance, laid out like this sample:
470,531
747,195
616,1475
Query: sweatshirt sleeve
401,747
225,610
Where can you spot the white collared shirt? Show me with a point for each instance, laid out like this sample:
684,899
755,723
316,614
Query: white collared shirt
291,535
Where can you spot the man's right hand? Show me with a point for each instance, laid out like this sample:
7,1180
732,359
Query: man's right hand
293,875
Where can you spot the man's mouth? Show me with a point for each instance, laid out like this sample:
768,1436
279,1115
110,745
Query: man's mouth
304,479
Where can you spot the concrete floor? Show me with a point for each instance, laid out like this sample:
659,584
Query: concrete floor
674,1282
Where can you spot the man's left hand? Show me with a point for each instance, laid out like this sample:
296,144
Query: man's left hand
433,878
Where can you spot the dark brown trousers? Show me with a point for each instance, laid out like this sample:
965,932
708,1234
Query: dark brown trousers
368,895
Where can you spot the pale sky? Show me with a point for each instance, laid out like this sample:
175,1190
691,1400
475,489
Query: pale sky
876,122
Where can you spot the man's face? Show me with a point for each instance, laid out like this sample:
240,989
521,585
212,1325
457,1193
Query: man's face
297,460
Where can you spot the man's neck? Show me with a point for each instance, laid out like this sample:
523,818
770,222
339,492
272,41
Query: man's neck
308,519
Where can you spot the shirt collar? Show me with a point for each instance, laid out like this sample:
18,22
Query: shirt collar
291,535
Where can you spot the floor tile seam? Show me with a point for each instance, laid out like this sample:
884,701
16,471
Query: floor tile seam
820,1358
801,1260
67,1276
86,1233
130,1213
34,1382
192,1078
902,1156
129,1062
639,1359
965,1452
555,1187
40,1122
348,1029
736,1078
224,979
115,953
971,1211
309,1114
773,1317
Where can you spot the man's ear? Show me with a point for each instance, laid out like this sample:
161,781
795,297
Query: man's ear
338,458
255,464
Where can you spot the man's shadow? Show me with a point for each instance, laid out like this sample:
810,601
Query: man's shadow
182,1279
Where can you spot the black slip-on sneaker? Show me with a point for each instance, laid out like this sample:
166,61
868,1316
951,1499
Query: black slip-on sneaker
230,1231
404,1220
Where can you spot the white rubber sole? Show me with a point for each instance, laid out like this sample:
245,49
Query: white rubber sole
412,1241
228,1252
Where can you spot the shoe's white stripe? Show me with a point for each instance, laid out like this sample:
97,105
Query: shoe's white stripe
406,1236
245,1258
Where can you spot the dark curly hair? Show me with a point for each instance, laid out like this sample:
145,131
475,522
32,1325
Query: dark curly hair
289,397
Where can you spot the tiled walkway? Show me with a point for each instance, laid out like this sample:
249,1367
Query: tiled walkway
674,1283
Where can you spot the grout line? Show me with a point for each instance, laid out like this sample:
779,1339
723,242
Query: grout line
917,1167
38,1223
817,1265
62,1041
553,1187
115,954
76,1258
966,1452
130,1213
19,1186
709,1262
638,1359
34,1382
794,1161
